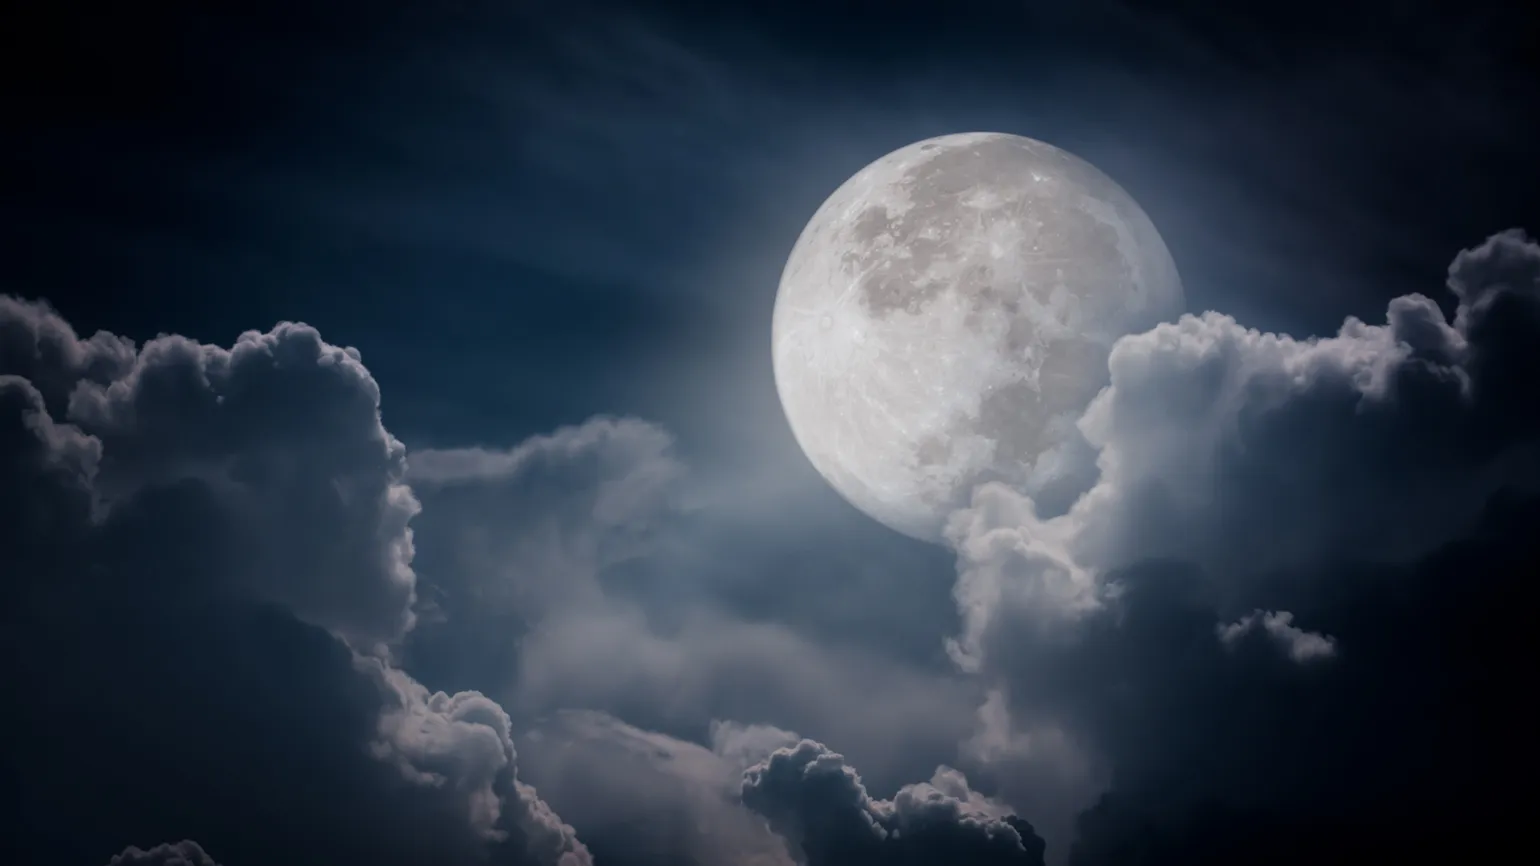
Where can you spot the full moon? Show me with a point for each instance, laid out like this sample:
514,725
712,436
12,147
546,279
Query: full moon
946,316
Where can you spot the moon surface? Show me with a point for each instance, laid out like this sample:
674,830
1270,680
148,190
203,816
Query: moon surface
946,316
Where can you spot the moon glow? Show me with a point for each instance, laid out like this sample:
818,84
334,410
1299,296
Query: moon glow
946,316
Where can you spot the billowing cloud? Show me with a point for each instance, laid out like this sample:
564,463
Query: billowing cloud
207,561
281,432
1300,645
463,744
813,797
1248,453
1266,605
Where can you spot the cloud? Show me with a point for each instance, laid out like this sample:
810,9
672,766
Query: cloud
743,746
568,573
534,525
208,563
1248,452
464,743
438,739
810,795
1277,593
713,665
1282,612
183,853
281,430
643,797
1300,645
1043,768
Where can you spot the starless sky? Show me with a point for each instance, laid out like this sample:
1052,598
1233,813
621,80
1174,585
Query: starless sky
506,553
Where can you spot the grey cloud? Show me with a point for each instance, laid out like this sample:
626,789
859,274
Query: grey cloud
464,743
623,445
641,797
814,798
284,431
209,558
1041,765
1251,454
1248,452
535,525
645,797
39,345
1300,645
709,666
1012,565
1239,470
567,575
462,740
1349,510
183,853
46,455
746,745
281,433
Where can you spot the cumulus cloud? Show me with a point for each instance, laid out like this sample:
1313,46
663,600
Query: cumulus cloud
754,796
183,853
1012,564
1300,645
1248,452
1264,604
813,797
463,743
464,740
208,558
281,431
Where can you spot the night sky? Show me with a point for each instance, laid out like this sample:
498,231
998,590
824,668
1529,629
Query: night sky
392,473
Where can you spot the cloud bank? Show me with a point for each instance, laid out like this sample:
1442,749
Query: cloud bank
1278,626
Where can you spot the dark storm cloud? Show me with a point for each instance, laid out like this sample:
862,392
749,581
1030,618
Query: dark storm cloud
810,795
1283,611
206,551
